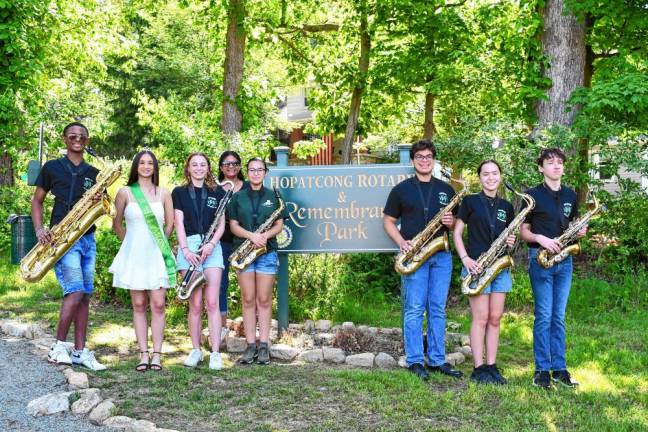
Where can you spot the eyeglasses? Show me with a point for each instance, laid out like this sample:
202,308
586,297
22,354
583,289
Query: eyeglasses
422,158
256,170
75,137
231,164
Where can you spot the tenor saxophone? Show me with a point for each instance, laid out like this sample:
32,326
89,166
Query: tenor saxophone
424,245
193,278
247,252
569,238
79,219
495,259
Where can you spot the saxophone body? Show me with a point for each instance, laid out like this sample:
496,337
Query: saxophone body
548,259
424,245
194,278
79,219
495,259
247,252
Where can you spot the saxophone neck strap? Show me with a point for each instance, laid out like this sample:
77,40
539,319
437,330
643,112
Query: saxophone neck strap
75,171
255,205
156,232
491,206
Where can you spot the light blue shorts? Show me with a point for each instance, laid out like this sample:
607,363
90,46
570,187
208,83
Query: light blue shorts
501,284
75,270
212,261
268,263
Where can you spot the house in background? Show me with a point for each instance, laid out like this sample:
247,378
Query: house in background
611,182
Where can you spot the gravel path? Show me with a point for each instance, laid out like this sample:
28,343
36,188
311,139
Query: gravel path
24,376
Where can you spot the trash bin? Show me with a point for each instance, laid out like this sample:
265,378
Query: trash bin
23,237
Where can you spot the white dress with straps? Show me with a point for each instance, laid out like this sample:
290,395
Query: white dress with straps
139,264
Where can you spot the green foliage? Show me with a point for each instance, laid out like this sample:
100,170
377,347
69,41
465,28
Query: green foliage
304,149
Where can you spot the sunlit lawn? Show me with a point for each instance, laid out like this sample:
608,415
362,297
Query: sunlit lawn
607,353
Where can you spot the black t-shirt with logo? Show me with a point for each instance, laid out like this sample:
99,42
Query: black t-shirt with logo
68,183
552,212
199,210
486,219
246,203
408,200
228,237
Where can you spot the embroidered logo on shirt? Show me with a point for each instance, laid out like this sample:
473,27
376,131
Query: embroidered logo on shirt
567,208
268,203
87,183
501,215
212,202
443,198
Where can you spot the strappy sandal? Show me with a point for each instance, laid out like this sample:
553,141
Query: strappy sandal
157,367
143,366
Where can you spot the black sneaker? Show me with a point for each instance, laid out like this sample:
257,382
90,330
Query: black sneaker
495,373
481,375
542,379
563,377
418,370
249,355
446,369
263,355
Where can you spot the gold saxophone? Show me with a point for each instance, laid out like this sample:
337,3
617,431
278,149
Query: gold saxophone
247,252
495,259
79,219
424,245
193,278
548,259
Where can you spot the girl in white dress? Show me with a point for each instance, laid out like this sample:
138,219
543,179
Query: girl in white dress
139,265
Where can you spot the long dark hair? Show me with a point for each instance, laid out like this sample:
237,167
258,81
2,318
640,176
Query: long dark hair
210,181
487,161
223,155
133,177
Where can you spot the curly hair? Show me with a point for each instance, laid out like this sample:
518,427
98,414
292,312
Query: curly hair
210,180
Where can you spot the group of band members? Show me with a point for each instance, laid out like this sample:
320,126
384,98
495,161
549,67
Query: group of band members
424,292
144,264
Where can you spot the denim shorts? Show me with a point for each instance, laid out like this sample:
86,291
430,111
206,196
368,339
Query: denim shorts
75,270
501,284
268,263
193,243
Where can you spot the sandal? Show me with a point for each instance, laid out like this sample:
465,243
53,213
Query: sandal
142,366
157,367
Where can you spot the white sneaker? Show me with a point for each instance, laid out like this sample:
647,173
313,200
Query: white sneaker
59,354
224,333
194,357
215,361
86,358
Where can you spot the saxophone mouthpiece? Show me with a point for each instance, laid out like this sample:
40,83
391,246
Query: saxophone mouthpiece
91,152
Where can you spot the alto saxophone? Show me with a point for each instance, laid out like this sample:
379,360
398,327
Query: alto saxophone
247,252
548,259
193,278
495,260
79,219
424,245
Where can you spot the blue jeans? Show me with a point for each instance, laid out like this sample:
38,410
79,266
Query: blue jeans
550,292
268,264
75,270
426,290
222,299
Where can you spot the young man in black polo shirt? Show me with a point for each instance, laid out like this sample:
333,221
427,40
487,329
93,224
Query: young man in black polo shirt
555,206
416,201
68,178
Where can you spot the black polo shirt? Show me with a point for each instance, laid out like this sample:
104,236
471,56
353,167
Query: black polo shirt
198,213
242,207
552,212
68,183
228,237
408,199
478,212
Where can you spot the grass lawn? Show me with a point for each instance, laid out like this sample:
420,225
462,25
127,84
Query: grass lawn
607,352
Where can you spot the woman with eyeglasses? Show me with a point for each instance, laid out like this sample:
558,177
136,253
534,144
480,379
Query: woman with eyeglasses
195,205
229,169
248,209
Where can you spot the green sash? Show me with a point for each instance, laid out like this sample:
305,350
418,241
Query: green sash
156,231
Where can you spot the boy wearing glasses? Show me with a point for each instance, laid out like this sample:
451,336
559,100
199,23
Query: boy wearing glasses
415,202
68,178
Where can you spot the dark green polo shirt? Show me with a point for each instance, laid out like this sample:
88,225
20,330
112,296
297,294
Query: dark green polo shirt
242,209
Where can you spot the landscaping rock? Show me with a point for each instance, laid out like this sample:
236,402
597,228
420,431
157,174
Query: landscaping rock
324,338
283,352
309,326
235,344
453,325
336,328
77,380
101,412
311,356
466,351
334,355
323,325
385,361
49,404
295,326
455,358
44,343
90,398
141,426
274,324
402,362
119,422
348,325
372,331
361,360
15,328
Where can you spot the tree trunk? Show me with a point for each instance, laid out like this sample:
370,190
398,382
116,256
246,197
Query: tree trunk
429,130
583,143
563,44
233,67
356,97
6,170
